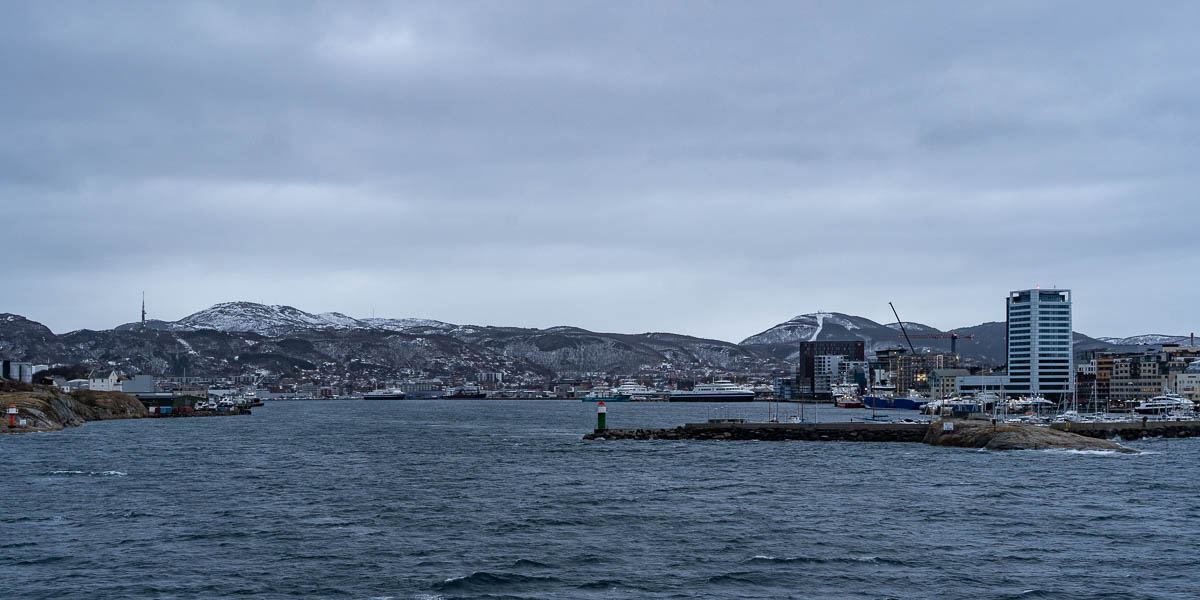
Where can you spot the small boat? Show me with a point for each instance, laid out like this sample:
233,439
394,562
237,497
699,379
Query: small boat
1030,405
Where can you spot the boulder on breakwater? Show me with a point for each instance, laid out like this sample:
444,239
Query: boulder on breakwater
982,434
47,408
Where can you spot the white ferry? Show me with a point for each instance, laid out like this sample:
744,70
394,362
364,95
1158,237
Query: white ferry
389,394
719,391
634,391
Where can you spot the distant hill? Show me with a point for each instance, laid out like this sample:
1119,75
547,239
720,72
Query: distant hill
234,337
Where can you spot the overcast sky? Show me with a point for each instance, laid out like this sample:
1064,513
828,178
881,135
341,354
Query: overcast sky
702,168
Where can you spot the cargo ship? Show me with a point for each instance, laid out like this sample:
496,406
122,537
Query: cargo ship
903,403
466,392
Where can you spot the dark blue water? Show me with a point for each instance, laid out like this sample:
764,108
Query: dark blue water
490,499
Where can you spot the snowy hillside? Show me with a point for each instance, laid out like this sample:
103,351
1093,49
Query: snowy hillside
820,326
1146,340
273,320
262,319
406,324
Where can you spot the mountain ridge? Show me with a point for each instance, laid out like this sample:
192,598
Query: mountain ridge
233,336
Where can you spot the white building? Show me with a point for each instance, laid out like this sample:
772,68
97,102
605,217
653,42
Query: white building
827,370
974,384
104,380
1040,344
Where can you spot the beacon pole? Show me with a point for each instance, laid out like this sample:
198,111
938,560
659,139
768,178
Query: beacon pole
601,414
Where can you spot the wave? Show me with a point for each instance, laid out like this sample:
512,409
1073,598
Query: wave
484,581
90,473
761,559
530,564
743,578
1086,452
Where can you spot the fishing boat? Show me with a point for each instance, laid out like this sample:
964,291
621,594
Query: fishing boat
848,401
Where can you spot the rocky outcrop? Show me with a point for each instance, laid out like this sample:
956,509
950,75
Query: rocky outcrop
982,434
46,408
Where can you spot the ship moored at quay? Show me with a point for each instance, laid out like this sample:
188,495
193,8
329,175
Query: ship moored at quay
718,391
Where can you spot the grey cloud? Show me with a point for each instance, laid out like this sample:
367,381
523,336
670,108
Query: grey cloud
707,168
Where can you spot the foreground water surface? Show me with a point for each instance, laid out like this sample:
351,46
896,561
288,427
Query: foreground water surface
503,499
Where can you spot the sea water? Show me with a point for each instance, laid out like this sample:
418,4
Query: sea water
503,499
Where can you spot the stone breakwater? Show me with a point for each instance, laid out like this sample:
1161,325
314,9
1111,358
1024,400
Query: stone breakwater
965,433
843,432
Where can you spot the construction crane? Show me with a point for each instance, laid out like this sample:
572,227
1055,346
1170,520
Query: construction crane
902,329
953,336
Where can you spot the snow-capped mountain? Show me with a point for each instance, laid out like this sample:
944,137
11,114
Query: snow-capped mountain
406,324
781,341
231,337
1148,339
262,319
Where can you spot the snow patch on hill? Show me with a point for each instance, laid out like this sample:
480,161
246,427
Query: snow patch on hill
1147,340
401,325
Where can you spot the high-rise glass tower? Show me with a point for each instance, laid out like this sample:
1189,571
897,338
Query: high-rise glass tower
1040,345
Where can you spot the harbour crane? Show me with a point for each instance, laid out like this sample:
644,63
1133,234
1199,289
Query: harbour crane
953,336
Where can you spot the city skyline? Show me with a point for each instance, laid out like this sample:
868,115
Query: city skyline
695,169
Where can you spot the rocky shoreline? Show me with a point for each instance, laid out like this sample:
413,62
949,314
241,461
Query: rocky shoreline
47,408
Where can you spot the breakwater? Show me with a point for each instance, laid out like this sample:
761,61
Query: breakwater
1135,430
973,433
838,432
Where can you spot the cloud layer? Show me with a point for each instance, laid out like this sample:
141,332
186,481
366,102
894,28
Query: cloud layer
704,168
